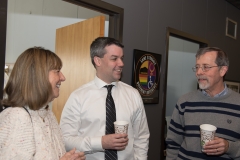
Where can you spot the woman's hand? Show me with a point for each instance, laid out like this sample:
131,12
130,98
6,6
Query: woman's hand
73,155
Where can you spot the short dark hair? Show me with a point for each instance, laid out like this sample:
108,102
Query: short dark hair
28,84
97,47
221,59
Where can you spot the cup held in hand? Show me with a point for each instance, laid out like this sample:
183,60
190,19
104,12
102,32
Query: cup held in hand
207,133
121,127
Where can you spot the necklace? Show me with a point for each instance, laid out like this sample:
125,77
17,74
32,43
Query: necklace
42,117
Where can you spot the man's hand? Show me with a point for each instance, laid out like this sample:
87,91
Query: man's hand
217,146
115,141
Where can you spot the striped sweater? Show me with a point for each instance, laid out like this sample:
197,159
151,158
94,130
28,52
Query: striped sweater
194,109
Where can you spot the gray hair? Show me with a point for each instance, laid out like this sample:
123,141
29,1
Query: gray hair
97,47
221,59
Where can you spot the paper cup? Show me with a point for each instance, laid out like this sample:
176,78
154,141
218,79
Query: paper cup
207,133
121,127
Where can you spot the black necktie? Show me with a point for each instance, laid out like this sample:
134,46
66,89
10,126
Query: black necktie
110,118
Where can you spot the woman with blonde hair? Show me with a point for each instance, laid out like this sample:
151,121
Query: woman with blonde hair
28,128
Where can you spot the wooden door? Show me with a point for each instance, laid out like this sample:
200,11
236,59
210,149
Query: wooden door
73,47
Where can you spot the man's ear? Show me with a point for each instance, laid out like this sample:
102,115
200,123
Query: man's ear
97,61
223,70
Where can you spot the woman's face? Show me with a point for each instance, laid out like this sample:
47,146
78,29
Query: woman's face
55,78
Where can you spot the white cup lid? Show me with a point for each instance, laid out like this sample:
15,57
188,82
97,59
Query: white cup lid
208,127
121,122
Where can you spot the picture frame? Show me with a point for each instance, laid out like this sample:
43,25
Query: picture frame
231,28
234,85
146,75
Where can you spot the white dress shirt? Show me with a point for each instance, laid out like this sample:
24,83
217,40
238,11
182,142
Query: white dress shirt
84,116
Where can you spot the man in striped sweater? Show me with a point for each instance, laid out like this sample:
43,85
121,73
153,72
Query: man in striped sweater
213,104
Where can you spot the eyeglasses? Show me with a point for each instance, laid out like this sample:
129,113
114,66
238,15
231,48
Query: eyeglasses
205,68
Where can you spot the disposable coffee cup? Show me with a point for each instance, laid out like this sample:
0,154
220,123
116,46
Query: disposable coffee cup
207,133
121,127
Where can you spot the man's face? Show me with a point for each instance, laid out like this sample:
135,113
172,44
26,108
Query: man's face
211,80
109,68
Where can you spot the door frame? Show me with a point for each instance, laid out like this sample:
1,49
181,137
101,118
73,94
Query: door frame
3,33
185,36
115,13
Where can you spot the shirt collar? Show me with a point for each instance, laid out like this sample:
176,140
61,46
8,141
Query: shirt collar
100,83
222,93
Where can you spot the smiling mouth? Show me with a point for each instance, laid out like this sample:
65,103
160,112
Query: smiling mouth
58,85
201,78
119,70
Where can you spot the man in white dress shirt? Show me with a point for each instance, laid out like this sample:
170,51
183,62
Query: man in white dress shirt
83,119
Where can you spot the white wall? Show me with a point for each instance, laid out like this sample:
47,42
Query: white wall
34,23
180,79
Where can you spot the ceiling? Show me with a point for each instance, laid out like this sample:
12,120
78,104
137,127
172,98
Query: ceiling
235,3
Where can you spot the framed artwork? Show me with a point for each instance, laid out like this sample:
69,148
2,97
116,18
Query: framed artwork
146,75
233,85
231,28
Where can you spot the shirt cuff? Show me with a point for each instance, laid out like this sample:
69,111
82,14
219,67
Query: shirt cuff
96,143
233,148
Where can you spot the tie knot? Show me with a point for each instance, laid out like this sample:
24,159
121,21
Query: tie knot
109,88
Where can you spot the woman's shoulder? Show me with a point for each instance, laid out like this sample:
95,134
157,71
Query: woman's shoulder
15,115
14,120
14,111
16,134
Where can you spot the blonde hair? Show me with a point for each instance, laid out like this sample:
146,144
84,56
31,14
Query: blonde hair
29,83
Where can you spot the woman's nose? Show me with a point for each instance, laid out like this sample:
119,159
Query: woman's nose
62,77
